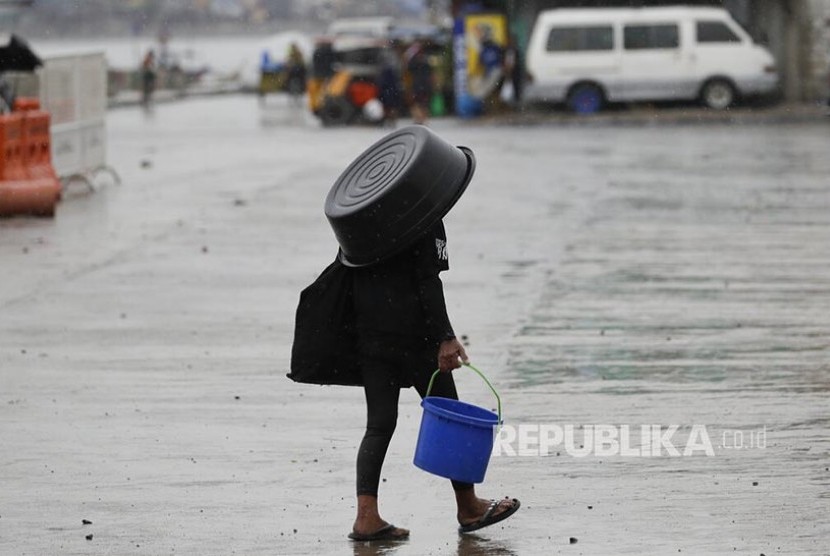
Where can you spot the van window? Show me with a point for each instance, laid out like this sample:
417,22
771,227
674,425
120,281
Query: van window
565,39
715,31
640,37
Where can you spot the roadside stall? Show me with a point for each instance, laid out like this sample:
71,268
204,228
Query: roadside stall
344,87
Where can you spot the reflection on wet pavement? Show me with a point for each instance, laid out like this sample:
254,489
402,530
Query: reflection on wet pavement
475,545
698,263
376,548
468,545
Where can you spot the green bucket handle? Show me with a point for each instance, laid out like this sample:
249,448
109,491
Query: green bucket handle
479,373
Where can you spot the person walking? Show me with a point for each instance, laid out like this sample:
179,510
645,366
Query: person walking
384,320
323,60
295,73
514,70
148,77
404,335
389,85
491,62
420,73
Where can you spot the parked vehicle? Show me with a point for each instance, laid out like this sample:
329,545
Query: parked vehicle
345,75
587,57
350,81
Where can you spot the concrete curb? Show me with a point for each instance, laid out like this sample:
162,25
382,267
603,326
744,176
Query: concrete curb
636,116
663,116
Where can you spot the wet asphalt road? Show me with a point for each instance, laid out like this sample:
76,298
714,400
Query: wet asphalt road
604,275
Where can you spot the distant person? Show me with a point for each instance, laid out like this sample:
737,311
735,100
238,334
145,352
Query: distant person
295,72
491,59
491,55
323,60
295,55
14,56
514,69
148,77
421,74
389,86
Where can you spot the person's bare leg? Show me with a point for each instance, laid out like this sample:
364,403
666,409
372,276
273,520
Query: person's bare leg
418,114
368,517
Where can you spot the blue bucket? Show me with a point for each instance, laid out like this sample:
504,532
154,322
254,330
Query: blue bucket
456,438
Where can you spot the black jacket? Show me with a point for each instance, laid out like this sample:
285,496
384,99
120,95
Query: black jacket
403,295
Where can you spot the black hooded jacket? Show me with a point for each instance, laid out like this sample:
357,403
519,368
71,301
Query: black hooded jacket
399,301
403,295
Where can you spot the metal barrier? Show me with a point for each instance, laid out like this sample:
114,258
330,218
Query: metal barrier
73,89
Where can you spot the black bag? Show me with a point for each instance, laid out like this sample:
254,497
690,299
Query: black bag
324,349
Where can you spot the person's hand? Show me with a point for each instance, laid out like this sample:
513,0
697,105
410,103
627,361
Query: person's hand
451,355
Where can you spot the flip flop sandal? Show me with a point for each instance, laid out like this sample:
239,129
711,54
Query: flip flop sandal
386,533
488,518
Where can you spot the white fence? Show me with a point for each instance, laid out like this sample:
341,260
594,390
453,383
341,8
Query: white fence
74,90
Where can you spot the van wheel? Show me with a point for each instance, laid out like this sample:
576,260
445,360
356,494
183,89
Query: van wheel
717,94
585,98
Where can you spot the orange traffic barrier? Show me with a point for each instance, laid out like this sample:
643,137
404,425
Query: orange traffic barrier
19,192
26,103
27,197
37,142
12,166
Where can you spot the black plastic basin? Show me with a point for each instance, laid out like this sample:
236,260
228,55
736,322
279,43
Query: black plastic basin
394,191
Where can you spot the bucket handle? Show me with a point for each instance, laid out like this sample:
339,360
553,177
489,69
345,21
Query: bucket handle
479,373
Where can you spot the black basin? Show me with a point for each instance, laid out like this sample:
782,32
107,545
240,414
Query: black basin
394,191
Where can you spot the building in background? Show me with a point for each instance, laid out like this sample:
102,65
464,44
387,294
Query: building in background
796,32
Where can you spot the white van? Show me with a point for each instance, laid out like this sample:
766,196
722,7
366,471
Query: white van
584,57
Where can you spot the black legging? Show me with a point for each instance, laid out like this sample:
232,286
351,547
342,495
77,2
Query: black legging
387,363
